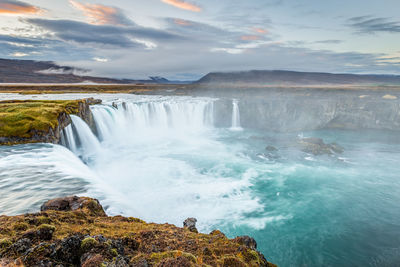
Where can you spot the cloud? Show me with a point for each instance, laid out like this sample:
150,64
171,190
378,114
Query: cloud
207,34
82,33
183,5
182,22
19,54
100,59
102,15
329,42
260,30
370,25
64,71
15,7
250,37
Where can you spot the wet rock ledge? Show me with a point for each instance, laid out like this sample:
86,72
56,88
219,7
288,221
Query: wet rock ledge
40,121
75,231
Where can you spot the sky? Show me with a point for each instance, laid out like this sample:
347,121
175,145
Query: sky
186,39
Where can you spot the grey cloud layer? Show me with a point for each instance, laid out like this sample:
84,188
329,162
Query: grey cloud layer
107,35
369,24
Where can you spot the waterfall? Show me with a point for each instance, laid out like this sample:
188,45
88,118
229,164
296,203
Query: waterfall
68,138
235,116
122,122
82,141
150,155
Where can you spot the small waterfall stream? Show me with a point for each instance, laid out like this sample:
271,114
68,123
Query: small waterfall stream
236,116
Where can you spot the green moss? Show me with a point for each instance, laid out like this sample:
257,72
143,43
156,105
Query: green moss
94,207
43,220
232,262
250,256
132,219
21,226
5,243
21,118
47,227
114,252
157,257
88,243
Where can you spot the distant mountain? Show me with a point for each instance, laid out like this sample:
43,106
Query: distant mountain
29,71
279,77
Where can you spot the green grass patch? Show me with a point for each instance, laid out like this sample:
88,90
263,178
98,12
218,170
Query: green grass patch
23,118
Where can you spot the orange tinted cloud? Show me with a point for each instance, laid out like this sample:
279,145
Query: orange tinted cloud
17,8
100,14
250,37
260,30
183,5
182,22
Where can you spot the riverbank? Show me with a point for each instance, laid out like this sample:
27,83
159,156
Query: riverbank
35,121
77,231
92,88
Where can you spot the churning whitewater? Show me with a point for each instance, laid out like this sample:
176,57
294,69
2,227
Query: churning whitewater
160,161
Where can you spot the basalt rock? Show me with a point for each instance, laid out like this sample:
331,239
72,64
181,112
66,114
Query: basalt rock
246,241
75,231
190,223
91,206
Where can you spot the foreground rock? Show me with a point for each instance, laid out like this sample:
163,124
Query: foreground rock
40,121
75,231
316,146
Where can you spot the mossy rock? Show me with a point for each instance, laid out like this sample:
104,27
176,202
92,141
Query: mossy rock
20,118
78,231
132,219
5,243
158,257
21,226
114,252
45,231
232,262
43,220
250,256
88,243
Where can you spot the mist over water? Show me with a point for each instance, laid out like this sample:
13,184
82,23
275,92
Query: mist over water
163,159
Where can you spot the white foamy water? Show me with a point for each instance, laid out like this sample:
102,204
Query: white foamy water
160,160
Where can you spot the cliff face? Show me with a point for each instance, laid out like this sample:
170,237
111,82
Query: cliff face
33,121
299,110
75,231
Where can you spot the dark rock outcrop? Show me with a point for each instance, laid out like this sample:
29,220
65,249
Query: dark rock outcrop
74,203
247,241
190,223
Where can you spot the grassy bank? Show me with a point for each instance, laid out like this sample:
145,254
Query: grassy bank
77,88
21,119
